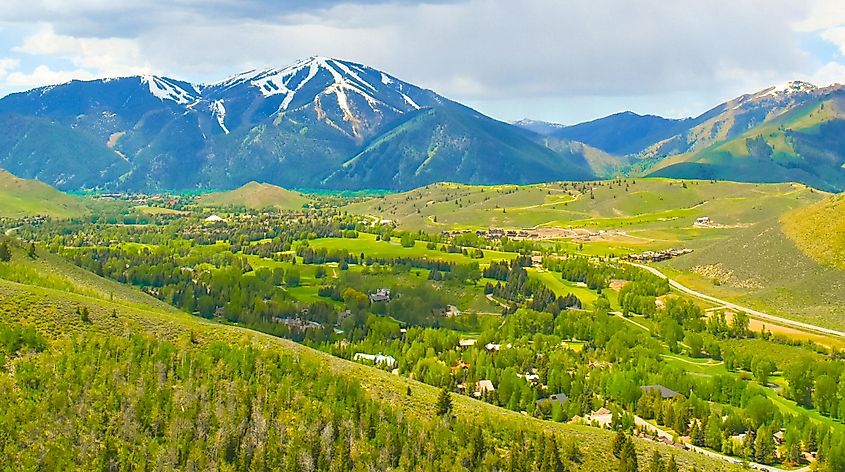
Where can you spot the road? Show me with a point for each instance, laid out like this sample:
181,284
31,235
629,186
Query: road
645,425
754,313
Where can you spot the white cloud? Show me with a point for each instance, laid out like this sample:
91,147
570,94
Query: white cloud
830,73
43,75
484,51
7,64
107,56
836,36
822,15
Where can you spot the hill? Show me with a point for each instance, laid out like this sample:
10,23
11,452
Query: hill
255,196
317,123
819,230
641,206
199,372
22,197
762,267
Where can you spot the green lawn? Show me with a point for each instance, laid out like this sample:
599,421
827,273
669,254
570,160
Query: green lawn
366,243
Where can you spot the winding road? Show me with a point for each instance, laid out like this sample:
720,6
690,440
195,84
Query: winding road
754,313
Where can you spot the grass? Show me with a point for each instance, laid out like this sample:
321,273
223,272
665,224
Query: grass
819,230
366,243
635,216
560,287
255,196
21,197
760,267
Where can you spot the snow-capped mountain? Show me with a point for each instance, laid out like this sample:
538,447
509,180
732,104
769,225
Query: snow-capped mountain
296,126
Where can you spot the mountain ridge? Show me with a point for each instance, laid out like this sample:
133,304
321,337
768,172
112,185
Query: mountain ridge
294,127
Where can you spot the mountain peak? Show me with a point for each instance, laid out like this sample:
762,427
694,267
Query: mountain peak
789,88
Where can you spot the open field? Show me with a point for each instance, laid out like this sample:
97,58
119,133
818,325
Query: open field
366,243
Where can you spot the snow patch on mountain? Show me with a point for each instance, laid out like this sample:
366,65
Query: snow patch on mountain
789,88
163,89
219,111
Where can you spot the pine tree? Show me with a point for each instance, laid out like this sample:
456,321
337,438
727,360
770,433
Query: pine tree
5,252
83,314
656,462
672,466
618,443
628,457
444,402
31,251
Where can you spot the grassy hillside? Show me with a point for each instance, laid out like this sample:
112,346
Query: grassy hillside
120,329
633,213
819,230
22,197
763,268
256,196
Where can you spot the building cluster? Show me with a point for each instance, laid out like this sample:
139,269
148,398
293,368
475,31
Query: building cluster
381,295
494,234
297,324
657,256
157,200
376,359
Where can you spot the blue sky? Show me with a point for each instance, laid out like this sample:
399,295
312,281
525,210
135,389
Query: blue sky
557,60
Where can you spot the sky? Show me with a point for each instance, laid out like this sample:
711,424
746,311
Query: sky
564,61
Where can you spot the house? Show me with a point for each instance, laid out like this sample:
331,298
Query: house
602,417
493,347
377,359
536,261
214,219
665,393
703,221
484,386
559,398
466,343
381,295
452,310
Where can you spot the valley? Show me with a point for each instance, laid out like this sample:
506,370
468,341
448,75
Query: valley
499,296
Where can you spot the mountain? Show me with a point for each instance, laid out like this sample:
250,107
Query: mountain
454,143
795,132
623,133
543,128
304,125
256,196
22,197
